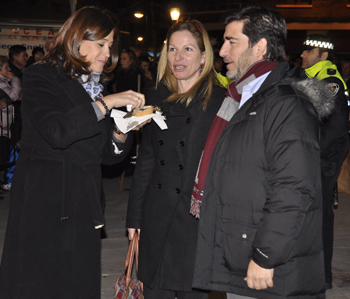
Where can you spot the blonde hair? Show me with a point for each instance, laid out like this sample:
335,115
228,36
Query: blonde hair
208,73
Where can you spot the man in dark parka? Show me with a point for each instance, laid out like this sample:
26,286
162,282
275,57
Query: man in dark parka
261,215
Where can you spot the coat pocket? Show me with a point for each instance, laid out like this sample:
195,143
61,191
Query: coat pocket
238,250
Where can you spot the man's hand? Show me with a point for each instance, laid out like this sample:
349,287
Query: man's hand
259,278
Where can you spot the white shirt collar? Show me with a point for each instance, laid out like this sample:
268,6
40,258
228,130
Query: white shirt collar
251,88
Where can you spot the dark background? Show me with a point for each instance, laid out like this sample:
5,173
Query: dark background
330,17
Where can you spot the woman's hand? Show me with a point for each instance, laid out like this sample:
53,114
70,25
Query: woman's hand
135,99
131,232
116,100
142,124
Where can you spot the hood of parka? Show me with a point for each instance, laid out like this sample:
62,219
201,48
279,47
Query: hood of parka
319,95
318,92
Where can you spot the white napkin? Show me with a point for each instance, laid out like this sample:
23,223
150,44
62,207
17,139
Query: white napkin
127,124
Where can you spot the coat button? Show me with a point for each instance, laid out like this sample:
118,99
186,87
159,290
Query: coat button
188,120
244,236
177,190
181,167
162,162
182,143
161,142
159,186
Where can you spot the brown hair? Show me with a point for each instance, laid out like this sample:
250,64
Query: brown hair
88,23
164,72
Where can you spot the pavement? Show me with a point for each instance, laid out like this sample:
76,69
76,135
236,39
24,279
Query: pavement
115,245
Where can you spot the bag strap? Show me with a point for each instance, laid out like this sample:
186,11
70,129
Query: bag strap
137,263
137,253
132,251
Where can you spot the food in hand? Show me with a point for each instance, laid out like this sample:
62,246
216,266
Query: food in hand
143,111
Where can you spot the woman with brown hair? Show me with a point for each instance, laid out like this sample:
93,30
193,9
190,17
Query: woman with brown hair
160,195
52,245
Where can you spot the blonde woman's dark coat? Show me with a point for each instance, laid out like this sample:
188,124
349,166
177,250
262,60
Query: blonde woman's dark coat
160,195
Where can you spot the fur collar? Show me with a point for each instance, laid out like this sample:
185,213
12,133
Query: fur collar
319,95
318,92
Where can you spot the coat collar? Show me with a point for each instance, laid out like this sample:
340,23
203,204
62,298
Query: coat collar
176,108
279,73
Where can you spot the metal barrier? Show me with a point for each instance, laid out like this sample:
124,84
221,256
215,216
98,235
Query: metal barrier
8,135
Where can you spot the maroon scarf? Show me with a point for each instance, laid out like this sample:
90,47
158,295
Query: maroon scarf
222,118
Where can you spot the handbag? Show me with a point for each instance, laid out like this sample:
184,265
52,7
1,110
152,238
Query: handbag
127,287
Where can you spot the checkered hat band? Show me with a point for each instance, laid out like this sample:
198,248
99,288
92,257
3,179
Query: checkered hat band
319,44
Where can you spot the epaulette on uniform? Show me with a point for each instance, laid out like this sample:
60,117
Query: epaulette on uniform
331,72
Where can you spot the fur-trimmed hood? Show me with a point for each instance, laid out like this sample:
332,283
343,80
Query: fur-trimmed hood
319,94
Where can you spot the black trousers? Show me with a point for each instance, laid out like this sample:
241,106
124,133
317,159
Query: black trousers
158,293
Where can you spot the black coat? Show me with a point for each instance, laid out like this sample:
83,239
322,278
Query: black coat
163,181
262,197
52,244
334,128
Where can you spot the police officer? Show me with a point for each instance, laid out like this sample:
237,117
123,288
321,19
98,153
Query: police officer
317,55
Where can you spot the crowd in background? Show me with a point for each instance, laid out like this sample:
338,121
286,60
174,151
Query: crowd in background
135,71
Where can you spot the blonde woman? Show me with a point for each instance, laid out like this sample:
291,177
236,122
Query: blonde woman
160,195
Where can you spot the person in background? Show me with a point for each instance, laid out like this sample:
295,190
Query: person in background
160,194
258,188
345,72
5,100
37,55
12,86
127,77
18,58
221,80
154,66
53,240
295,61
127,74
334,141
215,44
218,62
149,78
